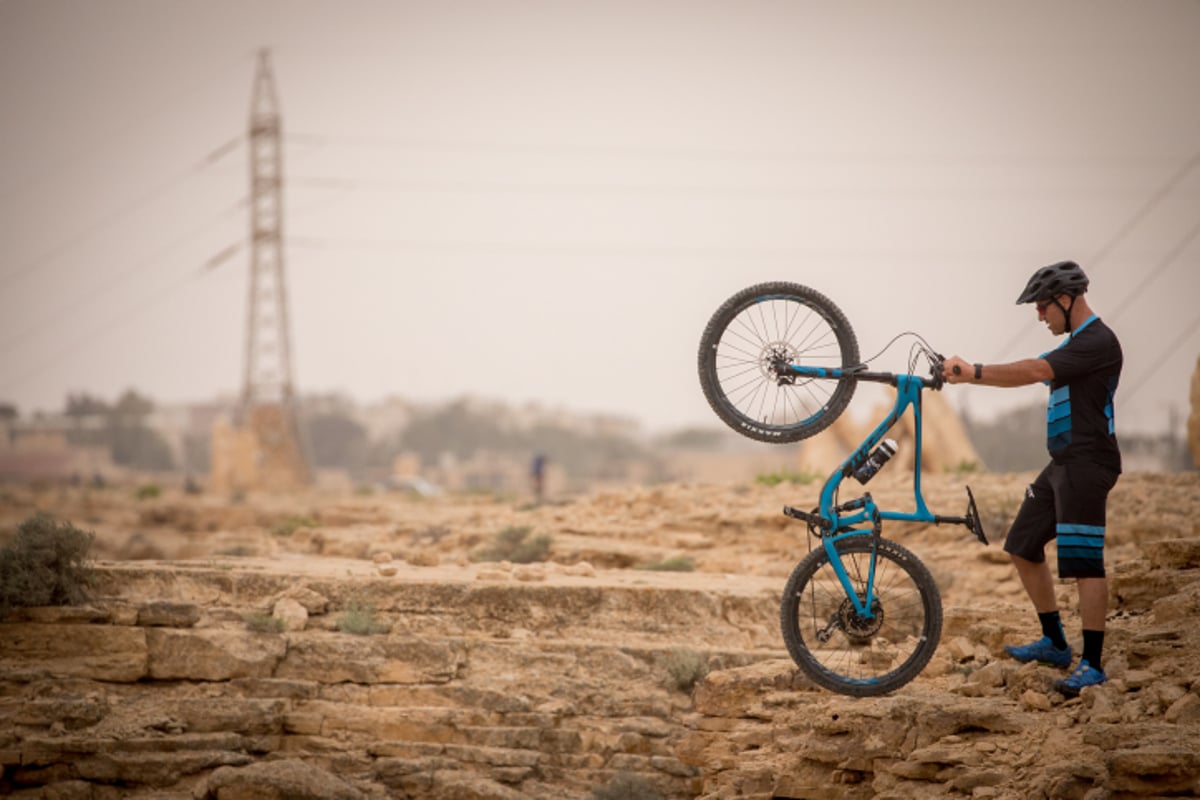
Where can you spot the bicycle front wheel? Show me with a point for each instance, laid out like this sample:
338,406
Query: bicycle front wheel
747,346
849,653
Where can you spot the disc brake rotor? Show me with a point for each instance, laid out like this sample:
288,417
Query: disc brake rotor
858,628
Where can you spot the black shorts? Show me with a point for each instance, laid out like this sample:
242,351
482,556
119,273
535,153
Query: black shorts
1068,503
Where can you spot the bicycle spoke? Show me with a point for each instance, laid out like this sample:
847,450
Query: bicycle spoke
845,650
747,348
740,356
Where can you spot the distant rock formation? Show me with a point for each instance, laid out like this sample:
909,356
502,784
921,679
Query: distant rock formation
945,442
1193,426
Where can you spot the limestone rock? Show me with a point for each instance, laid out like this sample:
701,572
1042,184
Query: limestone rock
165,614
313,602
1173,553
465,786
731,693
423,558
335,658
96,652
293,614
529,572
276,780
1184,711
212,655
582,569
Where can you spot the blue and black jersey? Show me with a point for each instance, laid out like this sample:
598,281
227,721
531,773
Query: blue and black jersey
1080,422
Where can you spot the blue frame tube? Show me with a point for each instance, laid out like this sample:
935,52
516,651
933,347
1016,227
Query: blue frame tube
908,393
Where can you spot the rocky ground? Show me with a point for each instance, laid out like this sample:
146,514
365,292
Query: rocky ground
354,646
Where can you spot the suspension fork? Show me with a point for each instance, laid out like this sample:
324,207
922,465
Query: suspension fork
869,511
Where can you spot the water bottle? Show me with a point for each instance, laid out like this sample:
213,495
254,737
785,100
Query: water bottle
875,462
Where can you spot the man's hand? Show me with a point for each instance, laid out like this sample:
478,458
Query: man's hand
955,370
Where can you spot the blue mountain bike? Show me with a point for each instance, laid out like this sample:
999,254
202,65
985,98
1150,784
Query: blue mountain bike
861,615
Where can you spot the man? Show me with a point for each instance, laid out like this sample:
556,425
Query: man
1068,499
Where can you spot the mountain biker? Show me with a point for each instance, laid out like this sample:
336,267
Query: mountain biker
1068,499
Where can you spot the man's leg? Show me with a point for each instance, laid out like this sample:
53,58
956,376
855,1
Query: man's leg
1038,582
1081,530
1093,607
1039,585
1025,545
1093,602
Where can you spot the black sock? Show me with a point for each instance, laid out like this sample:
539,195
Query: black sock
1052,627
1093,643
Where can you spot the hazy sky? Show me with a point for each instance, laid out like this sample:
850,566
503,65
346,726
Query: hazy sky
545,200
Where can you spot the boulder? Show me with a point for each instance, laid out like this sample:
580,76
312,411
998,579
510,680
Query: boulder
293,614
276,780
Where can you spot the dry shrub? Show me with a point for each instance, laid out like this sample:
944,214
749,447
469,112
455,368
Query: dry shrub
45,565
685,668
515,544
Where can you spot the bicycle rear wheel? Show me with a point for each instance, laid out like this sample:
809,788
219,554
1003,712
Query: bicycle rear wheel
747,346
845,652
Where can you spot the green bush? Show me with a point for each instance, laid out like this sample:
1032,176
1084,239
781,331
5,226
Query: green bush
627,786
673,564
515,544
290,525
360,621
685,668
148,491
45,565
802,477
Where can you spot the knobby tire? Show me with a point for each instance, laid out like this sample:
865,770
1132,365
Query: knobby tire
755,331
862,657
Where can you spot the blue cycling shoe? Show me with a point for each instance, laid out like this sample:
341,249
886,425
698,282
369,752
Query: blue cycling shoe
1042,651
1084,675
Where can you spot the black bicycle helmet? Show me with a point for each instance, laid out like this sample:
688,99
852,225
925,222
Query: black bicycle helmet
1065,277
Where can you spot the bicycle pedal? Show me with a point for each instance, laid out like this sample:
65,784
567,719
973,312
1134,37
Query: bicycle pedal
813,520
973,520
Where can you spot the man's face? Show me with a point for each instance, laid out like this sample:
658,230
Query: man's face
1051,314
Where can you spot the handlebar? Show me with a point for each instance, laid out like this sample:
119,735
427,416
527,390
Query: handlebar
936,365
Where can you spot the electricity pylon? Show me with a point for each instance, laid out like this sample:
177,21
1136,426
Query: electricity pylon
268,405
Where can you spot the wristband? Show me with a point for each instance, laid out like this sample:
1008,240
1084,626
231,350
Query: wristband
979,372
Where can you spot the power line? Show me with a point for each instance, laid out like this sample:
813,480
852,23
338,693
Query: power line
1158,270
108,219
118,133
110,325
97,291
692,153
1149,206
657,250
1162,358
644,189
1107,248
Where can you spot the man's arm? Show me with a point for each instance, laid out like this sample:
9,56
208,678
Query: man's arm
1014,373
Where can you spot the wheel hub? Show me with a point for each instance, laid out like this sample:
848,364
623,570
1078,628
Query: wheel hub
859,628
774,359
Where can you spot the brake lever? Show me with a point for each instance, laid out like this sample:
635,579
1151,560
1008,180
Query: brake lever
937,363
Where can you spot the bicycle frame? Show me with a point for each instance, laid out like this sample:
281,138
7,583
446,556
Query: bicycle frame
908,393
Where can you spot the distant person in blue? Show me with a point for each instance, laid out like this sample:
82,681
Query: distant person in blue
1068,500
537,476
